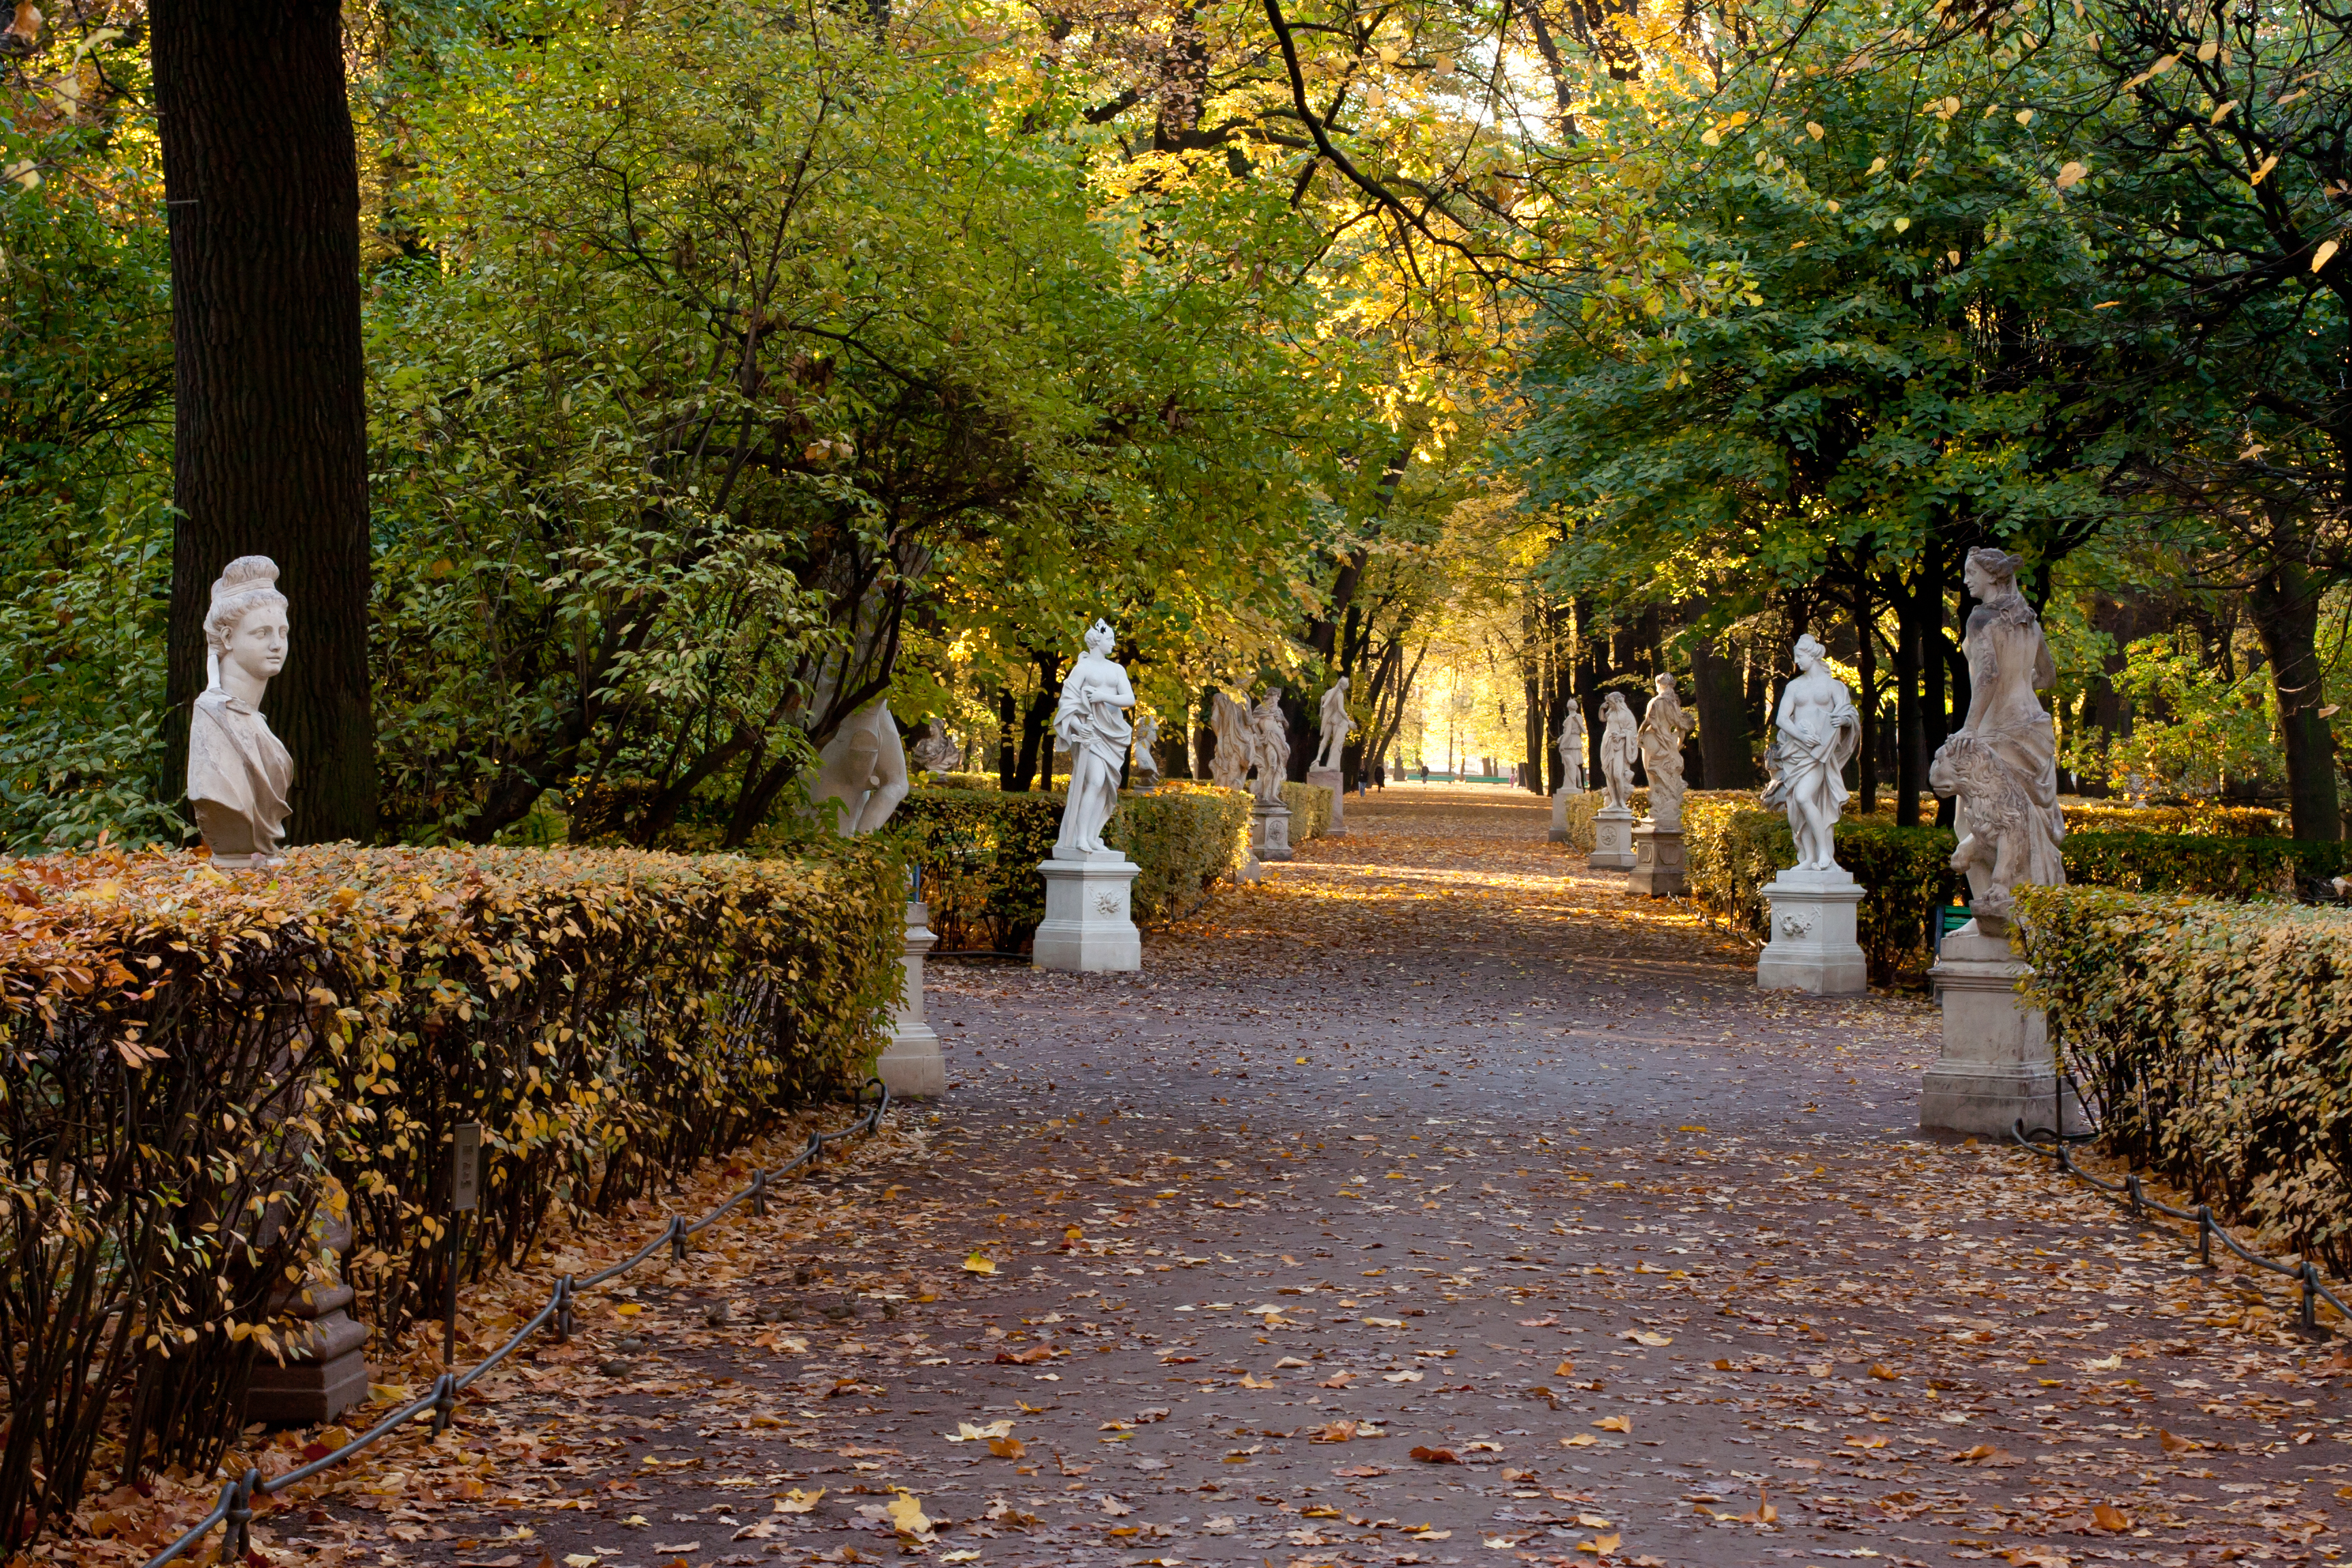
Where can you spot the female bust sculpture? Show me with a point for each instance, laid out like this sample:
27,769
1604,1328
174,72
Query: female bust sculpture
1664,726
239,773
1814,734
1092,722
2003,761
1619,745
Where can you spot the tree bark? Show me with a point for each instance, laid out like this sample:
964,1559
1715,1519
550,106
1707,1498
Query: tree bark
2284,606
269,444
1008,740
1723,735
1910,720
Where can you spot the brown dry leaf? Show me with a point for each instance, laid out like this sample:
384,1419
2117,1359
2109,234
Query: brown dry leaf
1333,1432
2173,1445
2109,1517
1007,1448
1428,1455
1565,1369
1615,1424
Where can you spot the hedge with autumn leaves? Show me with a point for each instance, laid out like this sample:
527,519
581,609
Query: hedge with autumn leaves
2214,1039
197,1061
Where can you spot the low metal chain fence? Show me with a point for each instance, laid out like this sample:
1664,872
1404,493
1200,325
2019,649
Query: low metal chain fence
233,1512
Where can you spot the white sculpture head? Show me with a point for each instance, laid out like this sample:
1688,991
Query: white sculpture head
1991,574
1665,684
1809,653
245,630
1101,638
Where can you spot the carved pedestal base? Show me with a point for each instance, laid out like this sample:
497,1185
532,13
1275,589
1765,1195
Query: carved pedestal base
1560,815
1270,832
1996,1066
1657,861
1812,924
1329,779
1087,926
912,1066
325,1371
1612,839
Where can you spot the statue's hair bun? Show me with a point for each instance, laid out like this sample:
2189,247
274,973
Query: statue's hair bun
244,574
245,583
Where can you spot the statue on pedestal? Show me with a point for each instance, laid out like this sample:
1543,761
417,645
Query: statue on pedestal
1814,735
2003,761
1145,769
1229,722
1571,750
239,773
935,753
1619,747
1092,722
1664,727
1336,725
1270,746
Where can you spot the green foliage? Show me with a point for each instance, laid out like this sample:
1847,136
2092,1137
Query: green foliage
2210,1036
959,780
979,849
1311,810
1734,847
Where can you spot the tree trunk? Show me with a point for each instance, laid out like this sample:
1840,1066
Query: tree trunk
1910,719
1866,659
1941,656
1204,737
2284,605
1008,740
1724,743
270,433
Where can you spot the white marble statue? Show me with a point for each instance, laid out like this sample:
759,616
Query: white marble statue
1336,725
1814,734
1621,746
239,773
1665,726
1092,722
1270,746
1145,769
1571,750
936,751
864,767
2003,761
1229,722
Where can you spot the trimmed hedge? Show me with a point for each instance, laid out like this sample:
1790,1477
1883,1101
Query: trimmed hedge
979,850
1311,810
957,781
197,1061
2215,1040
1734,849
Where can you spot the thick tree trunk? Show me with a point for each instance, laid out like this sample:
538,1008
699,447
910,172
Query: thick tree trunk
2285,604
1008,740
1910,718
1865,701
1723,735
269,454
1205,736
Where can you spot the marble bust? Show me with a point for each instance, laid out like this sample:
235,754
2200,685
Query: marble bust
1092,722
1336,725
2002,762
1814,734
1620,746
239,773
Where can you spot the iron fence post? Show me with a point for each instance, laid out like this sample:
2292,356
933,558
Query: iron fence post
236,1538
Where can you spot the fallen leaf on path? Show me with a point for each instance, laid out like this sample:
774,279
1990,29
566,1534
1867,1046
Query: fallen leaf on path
2173,1445
979,1263
1565,1369
798,1501
1428,1455
1615,1424
1643,1337
1601,1545
1007,1448
966,1432
1582,1441
1401,1377
2108,1516
1333,1432
906,1514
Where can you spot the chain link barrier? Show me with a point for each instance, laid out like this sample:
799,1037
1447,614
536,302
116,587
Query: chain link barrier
233,1512
2135,1196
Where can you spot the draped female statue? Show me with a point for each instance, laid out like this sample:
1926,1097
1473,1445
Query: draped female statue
1665,726
1814,735
1092,722
1621,746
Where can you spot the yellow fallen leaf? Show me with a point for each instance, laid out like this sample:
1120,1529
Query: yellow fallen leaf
628,1309
1593,1520
2108,1516
906,1514
1601,1545
979,1263
1007,1448
1582,1441
1400,1377
966,1432
1564,1369
1614,1423
799,1501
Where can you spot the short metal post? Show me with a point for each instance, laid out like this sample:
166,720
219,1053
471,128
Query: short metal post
562,1304
465,1196
2131,1191
236,1538
2310,1278
760,1193
2204,1236
444,1401
677,1238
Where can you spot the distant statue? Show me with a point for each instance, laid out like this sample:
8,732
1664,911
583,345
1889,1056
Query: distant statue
1229,722
2003,761
1665,726
1336,725
1814,735
1270,746
1620,746
1092,722
239,773
1571,750
1144,772
864,767
936,753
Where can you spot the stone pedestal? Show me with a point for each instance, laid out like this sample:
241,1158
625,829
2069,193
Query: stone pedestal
1813,946
1657,861
1612,839
1270,832
325,1371
1997,1065
1087,928
912,1066
1329,779
1560,815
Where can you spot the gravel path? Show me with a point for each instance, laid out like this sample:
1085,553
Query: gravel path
1433,1202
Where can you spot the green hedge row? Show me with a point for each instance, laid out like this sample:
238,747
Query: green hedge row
2214,1039
1311,810
1734,849
979,849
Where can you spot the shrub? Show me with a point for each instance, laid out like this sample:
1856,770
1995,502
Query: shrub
2206,819
204,1051
979,850
1311,810
1733,846
1584,805
2212,1038
958,781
